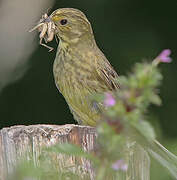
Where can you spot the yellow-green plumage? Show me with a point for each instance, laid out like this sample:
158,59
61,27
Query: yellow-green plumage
80,68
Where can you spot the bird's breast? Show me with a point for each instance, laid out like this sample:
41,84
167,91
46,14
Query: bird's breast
72,75
74,79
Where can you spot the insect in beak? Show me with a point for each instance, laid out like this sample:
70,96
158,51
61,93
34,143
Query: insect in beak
47,30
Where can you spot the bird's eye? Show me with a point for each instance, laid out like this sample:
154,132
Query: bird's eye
63,21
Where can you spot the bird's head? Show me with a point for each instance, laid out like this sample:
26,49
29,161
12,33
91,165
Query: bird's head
72,25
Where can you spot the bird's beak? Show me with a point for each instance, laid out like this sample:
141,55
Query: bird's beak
48,19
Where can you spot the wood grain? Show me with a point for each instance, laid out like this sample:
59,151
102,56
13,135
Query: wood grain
27,142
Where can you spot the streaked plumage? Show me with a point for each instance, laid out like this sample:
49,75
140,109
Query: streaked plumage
80,68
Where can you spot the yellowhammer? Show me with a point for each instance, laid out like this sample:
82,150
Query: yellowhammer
80,68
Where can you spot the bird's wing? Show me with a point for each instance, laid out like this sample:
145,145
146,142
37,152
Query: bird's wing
106,78
107,75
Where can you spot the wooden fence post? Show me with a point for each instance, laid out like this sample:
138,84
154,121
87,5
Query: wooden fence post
28,141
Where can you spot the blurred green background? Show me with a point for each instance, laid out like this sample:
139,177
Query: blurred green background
127,32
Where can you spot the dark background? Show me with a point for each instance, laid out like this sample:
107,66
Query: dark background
127,32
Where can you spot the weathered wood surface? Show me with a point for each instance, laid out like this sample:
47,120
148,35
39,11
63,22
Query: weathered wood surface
27,141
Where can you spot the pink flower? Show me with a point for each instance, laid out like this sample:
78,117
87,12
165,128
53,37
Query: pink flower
109,100
164,56
120,165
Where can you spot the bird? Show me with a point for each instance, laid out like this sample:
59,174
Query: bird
80,67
